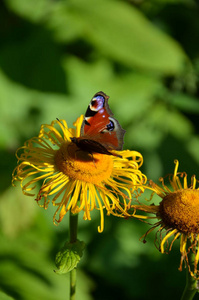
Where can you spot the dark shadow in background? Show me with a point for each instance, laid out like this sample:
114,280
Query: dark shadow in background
28,54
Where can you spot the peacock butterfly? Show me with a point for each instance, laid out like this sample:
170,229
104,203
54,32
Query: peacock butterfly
100,132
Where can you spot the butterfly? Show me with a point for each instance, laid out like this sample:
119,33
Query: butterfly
100,132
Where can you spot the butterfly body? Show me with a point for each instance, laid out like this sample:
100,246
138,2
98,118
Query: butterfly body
100,132
91,146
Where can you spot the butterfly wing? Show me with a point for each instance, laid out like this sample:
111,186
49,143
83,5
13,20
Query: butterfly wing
99,124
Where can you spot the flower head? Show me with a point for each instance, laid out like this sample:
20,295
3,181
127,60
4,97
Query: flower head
178,216
76,180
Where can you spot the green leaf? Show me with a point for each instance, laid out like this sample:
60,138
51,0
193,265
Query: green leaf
27,269
193,146
17,101
121,32
116,29
4,296
34,10
185,102
158,122
69,256
179,126
16,213
135,90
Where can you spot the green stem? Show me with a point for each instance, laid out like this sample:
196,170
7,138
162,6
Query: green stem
73,278
73,222
191,283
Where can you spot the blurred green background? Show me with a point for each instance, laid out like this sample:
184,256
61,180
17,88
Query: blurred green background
54,56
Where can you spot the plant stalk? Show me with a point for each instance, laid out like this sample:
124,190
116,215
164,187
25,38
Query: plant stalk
191,283
73,224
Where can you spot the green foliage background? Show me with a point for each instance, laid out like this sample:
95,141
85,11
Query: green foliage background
54,56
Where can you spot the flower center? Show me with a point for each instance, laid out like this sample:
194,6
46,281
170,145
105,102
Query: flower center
180,210
81,165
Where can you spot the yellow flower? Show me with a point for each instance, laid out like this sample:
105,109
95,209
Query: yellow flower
178,216
76,180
